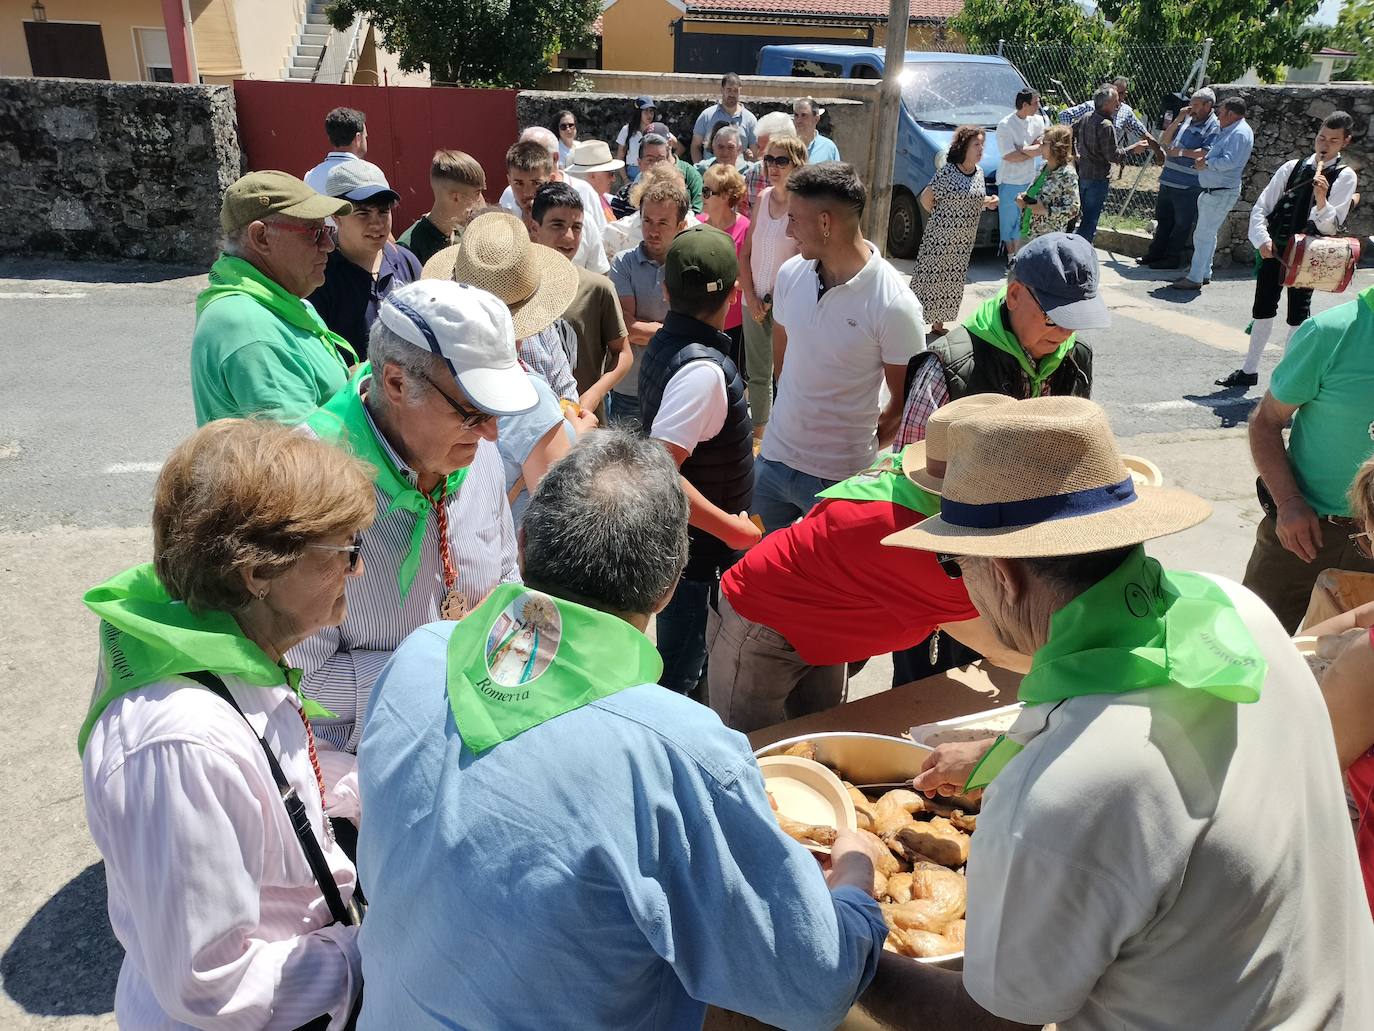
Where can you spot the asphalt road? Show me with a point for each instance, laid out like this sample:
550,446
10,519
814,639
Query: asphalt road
94,362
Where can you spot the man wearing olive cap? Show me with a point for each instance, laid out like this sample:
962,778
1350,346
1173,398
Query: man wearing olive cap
259,349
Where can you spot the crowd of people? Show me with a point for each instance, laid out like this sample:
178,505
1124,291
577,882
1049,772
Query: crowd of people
379,738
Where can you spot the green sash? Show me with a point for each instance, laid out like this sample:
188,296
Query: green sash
523,657
885,481
145,637
1138,628
1367,295
987,322
343,419
230,275
1033,195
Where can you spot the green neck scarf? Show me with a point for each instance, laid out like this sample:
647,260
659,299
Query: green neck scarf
1139,628
343,420
1032,195
989,322
1367,295
230,275
523,657
146,637
885,481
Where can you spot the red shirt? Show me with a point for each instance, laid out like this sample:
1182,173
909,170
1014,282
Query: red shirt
1360,777
832,588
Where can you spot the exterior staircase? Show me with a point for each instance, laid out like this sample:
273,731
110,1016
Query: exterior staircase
310,43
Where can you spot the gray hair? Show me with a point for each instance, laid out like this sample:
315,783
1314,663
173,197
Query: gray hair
607,526
653,139
1102,96
810,103
538,134
728,129
386,347
775,123
1207,94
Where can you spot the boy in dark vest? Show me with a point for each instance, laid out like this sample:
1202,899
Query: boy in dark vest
1312,196
693,400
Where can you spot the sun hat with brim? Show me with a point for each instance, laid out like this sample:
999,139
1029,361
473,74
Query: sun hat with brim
536,282
925,461
1040,478
592,156
472,332
361,182
259,194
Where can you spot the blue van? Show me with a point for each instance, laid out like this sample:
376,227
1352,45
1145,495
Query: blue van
940,92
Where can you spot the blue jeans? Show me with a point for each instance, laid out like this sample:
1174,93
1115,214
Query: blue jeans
1212,209
680,630
1092,198
1008,214
782,495
622,411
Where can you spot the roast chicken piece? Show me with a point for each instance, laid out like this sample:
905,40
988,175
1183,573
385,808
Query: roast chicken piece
925,944
802,750
889,818
865,812
883,860
916,915
899,887
945,889
937,839
966,822
955,933
806,833
904,799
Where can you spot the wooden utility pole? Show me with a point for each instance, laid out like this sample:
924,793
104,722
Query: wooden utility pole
889,117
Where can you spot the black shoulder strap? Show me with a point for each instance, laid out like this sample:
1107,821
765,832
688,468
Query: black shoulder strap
295,808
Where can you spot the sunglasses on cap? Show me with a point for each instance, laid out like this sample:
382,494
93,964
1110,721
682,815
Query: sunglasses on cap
353,551
950,564
471,418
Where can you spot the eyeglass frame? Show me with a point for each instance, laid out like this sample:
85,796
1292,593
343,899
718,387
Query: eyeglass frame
1049,322
471,419
354,551
950,565
777,160
566,125
320,232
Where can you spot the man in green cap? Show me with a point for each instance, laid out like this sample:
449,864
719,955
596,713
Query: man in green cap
259,348
693,400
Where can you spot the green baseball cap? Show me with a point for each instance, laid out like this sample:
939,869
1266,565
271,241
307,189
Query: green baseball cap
700,265
274,193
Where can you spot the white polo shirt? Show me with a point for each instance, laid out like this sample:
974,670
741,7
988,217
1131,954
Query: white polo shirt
1013,131
1166,859
825,418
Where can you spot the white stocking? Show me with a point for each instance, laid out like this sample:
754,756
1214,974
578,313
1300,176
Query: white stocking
1259,338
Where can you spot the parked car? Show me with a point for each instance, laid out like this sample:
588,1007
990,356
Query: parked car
940,92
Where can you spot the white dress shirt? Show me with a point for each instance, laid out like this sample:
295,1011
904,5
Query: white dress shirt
1328,217
222,922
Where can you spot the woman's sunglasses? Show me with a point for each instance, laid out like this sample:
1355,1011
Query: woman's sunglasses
777,160
950,564
567,125
353,551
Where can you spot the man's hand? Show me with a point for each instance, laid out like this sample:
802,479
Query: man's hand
1321,190
1021,201
1199,163
742,534
850,863
1266,250
758,309
581,419
947,769
1299,529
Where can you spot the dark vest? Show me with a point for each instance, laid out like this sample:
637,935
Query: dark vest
974,366
1289,216
722,468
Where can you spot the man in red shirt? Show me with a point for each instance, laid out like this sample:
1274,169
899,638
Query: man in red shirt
824,592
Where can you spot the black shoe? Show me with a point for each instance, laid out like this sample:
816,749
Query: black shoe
1239,378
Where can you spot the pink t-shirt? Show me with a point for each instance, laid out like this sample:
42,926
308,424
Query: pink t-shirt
734,317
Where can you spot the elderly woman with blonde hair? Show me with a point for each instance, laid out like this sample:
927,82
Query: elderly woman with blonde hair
1050,203
204,790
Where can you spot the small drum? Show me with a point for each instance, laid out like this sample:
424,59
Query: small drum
1324,263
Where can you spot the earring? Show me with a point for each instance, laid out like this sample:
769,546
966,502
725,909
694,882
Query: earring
262,594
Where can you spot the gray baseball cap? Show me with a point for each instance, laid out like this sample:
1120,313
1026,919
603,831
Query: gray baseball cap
360,182
1060,270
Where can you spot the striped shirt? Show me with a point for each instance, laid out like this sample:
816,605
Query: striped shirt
341,663
546,357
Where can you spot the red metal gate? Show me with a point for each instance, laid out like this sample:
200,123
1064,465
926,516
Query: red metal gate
281,126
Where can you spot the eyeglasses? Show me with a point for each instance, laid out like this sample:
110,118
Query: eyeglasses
1362,543
777,160
319,233
567,125
354,551
471,419
950,564
1049,322
706,191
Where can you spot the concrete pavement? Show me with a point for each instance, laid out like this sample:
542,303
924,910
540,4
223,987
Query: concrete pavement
97,393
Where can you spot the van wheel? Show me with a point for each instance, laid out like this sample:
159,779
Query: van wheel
904,226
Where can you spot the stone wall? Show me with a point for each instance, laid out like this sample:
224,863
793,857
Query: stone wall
1285,120
110,170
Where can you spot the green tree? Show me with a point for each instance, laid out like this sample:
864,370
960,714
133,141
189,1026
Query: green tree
1355,31
475,42
986,22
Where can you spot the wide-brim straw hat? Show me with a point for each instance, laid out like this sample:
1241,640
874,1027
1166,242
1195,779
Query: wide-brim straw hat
536,282
1040,478
592,156
925,461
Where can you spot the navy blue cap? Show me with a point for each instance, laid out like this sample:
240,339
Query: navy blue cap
645,102
1060,270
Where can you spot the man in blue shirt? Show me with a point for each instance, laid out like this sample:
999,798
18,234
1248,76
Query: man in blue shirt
553,840
1188,137
1219,173
1127,122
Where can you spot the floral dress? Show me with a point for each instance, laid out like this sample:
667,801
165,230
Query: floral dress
947,245
1060,197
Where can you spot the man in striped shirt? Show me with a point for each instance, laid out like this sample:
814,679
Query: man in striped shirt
443,365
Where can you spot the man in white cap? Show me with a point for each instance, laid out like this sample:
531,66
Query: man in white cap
1163,840
365,265
443,367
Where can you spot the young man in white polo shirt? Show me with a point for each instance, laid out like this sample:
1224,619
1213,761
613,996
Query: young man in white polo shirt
844,323
1019,136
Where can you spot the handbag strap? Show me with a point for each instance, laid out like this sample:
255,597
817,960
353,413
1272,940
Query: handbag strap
295,808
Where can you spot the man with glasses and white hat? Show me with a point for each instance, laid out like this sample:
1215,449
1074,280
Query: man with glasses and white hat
1163,841
423,415
259,349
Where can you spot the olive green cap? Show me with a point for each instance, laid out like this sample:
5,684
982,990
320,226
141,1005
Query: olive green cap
700,265
259,194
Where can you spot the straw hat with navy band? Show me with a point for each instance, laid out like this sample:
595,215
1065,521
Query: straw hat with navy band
1040,478
925,461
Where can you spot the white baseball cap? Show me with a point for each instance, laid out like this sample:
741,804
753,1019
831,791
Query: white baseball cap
359,181
471,330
